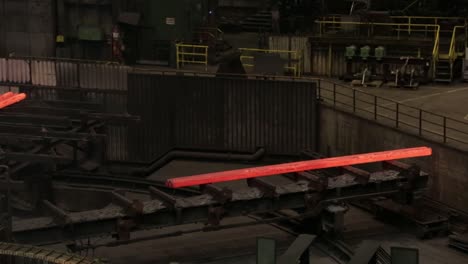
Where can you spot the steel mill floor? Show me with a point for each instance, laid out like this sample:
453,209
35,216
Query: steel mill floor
238,245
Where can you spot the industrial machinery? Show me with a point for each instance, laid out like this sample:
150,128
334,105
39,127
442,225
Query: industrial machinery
406,77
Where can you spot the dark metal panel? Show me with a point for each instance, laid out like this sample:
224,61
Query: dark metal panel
195,112
67,74
152,137
279,116
199,119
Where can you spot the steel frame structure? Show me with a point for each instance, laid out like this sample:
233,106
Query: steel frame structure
308,192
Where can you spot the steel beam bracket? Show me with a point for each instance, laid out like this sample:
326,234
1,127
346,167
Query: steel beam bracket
267,188
215,215
166,199
124,228
222,195
133,208
362,176
57,213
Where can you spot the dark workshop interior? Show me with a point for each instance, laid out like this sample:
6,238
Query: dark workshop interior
233,131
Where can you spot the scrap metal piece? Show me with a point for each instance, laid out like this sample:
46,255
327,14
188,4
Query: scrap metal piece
222,195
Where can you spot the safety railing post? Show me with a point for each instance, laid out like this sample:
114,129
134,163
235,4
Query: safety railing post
334,95
319,90
397,115
177,56
445,129
354,100
375,107
420,121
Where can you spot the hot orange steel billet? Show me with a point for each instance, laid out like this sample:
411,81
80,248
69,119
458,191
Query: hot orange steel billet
248,173
12,100
6,96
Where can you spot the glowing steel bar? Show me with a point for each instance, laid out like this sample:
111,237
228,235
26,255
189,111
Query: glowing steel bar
6,96
12,100
248,173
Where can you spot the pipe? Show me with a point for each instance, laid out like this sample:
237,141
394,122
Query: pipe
248,173
181,154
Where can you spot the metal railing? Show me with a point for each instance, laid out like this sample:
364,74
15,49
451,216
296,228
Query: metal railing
392,113
453,53
424,30
427,20
191,54
294,60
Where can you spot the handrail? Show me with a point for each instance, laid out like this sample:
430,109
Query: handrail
435,52
198,54
408,27
453,44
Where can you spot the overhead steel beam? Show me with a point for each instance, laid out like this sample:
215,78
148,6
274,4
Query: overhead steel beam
50,111
76,105
43,158
42,120
75,114
249,173
42,133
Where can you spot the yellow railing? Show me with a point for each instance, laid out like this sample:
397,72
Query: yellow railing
435,52
397,27
293,64
191,54
453,54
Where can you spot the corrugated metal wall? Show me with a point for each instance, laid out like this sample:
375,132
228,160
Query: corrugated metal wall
64,73
14,71
220,114
292,43
152,137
